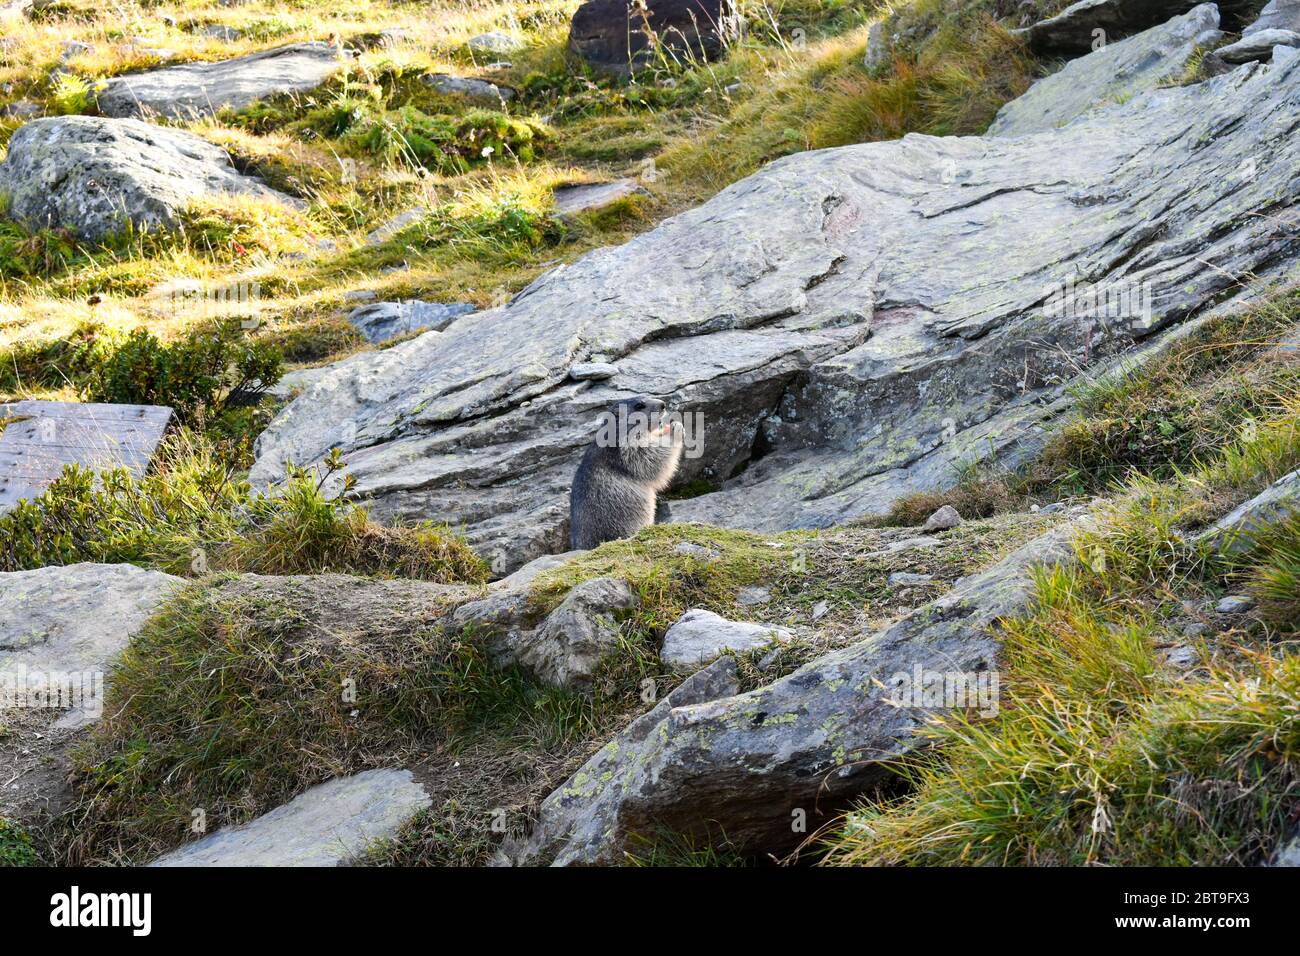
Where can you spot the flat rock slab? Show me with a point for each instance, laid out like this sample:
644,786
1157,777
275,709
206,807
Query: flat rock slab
872,317
76,619
95,176
328,825
1117,71
583,197
47,436
192,90
382,321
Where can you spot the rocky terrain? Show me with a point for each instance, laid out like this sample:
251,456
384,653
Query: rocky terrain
996,395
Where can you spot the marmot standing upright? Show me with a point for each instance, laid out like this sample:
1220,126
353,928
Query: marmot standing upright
632,459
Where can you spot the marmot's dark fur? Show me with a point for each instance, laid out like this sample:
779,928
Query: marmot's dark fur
622,471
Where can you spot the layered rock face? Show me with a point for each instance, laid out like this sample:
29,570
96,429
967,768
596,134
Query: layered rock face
849,323
1116,71
96,176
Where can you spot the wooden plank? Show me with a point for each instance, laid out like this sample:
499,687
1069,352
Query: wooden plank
50,435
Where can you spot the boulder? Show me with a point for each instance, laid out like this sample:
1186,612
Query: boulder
329,825
1276,15
1116,71
698,636
615,36
94,176
573,640
1089,25
192,90
747,765
842,328
1257,46
382,321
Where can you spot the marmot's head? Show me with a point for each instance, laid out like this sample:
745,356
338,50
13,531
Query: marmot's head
635,423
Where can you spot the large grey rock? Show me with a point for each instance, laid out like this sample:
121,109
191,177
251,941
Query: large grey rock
745,765
329,825
73,621
93,176
698,636
1257,46
382,321
1276,15
191,90
1116,71
867,318
1237,532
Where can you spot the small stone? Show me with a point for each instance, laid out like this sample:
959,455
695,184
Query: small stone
908,578
360,295
73,49
819,610
1197,629
945,518
1053,508
450,85
700,635
749,596
689,549
395,225
1235,604
219,31
1183,656
494,42
592,371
